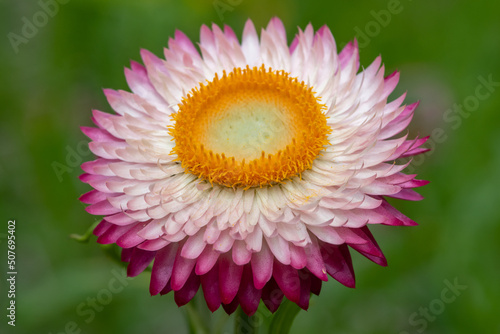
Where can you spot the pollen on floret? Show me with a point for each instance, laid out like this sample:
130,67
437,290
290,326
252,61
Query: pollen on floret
251,127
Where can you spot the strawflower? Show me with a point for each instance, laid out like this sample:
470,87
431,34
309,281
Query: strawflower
250,168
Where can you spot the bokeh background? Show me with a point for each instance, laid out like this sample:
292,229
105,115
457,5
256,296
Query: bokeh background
445,51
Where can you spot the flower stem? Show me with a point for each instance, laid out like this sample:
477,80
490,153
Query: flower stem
86,236
195,322
283,318
244,324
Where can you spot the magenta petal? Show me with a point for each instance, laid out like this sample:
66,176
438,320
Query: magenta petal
315,261
97,134
408,195
127,254
272,295
162,268
399,123
305,288
102,208
112,234
131,238
93,197
248,295
102,227
382,261
120,219
370,249
338,263
316,285
154,244
396,217
188,291
415,183
414,151
229,278
206,260
210,286
288,280
139,261
182,270
370,246
166,289
231,307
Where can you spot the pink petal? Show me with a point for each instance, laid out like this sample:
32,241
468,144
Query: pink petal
338,263
272,295
139,261
305,289
248,295
98,134
394,217
210,286
206,260
112,234
162,268
370,249
131,238
127,254
193,247
315,285
315,261
231,307
288,280
93,197
262,266
241,255
102,227
153,245
182,270
102,208
298,258
188,291
408,195
229,278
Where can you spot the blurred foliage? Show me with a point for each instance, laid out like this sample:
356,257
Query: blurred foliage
54,80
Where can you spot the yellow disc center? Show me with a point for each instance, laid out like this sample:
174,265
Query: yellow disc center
250,127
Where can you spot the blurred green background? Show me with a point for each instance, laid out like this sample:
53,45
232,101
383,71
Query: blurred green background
52,80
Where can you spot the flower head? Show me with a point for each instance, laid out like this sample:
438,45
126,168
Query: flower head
252,168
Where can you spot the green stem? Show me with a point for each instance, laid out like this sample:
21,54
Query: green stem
86,236
196,323
283,318
243,324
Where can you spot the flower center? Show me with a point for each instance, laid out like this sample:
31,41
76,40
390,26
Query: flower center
250,127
